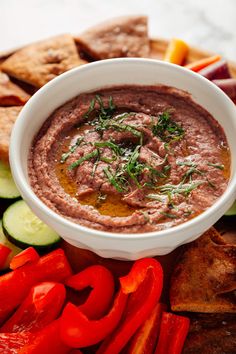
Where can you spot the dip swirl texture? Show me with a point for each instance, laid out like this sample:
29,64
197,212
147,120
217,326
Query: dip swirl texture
130,159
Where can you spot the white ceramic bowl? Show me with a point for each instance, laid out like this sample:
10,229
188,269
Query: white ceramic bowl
117,72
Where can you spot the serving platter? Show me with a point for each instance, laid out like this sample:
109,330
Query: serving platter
79,258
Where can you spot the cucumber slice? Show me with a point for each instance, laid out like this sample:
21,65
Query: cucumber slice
8,189
232,210
14,250
23,228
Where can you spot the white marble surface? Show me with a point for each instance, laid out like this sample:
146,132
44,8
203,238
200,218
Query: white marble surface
210,24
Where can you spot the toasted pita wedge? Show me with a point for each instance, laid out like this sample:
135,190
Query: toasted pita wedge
8,116
39,63
11,94
211,334
204,279
121,37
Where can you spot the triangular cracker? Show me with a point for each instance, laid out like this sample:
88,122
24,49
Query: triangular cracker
204,279
40,62
11,94
8,116
120,37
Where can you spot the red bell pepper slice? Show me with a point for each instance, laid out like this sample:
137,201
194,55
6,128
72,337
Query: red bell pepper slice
145,282
42,306
145,339
46,341
173,332
100,279
4,253
77,331
97,277
29,255
10,343
15,285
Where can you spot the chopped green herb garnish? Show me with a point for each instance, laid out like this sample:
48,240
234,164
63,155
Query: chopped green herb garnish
186,163
145,215
110,145
190,172
91,108
154,197
166,129
168,215
128,128
133,167
166,169
188,212
103,113
112,179
89,156
120,117
156,172
181,188
72,149
95,166
106,112
220,167
108,159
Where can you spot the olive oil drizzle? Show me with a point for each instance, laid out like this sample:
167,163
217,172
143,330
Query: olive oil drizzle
130,168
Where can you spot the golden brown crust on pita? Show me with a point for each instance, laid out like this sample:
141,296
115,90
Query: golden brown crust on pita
120,37
211,334
205,277
8,116
40,62
11,94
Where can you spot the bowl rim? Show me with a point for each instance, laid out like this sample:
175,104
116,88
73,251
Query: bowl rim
29,194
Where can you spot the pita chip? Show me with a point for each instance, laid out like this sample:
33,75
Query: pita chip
11,94
211,334
204,279
121,37
40,62
8,116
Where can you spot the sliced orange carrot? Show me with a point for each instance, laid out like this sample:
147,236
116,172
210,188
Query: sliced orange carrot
202,63
176,52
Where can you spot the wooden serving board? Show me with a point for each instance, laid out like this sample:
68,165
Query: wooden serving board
159,46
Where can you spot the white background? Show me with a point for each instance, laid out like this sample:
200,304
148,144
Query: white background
209,24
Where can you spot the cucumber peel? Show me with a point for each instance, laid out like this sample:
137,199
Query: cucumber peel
14,249
232,210
23,228
8,189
